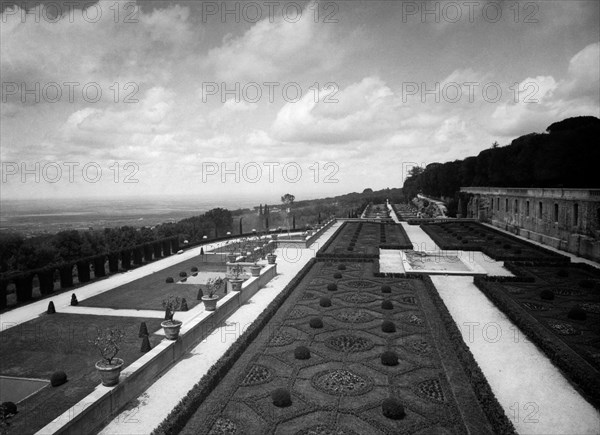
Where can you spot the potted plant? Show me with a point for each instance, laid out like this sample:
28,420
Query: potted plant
255,269
170,326
236,281
213,285
271,258
231,257
108,343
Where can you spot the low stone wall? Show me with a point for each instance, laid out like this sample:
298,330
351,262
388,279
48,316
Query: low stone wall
307,242
103,403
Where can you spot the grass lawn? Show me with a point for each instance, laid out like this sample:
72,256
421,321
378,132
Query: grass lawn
572,343
147,293
49,343
341,386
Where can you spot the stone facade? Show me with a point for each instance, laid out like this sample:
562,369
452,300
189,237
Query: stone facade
567,219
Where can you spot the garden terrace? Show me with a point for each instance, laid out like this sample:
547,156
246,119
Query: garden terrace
49,343
472,236
377,211
147,293
360,350
363,240
405,211
558,308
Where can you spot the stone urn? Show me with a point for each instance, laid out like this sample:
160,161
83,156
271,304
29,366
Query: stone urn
210,302
236,284
271,258
109,373
171,328
255,270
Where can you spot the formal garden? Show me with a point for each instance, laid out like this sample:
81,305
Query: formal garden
558,308
364,239
473,236
347,352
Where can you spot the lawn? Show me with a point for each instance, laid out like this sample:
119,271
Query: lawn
472,236
148,292
341,386
544,310
49,343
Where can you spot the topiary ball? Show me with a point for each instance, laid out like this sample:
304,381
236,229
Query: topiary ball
388,326
74,301
387,305
392,409
58,378
389,358
386,289
547,294
8,408
337,275
194,269
342,267
465,241
170,280
325,302
518,251
332,287
563,273
281,398
302,352
316,323
577,313
183,279
182,274
350,248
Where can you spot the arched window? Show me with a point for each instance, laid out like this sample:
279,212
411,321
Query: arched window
556,213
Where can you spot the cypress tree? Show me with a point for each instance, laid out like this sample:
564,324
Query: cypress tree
51,309
184,305
74,301
143,330
145,344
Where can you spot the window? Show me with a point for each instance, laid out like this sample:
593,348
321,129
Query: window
516,207
575,214
540,210
498,204
506,205
556,213
527,208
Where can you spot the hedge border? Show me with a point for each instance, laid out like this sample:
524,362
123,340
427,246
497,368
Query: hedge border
587,382
491,407
183,411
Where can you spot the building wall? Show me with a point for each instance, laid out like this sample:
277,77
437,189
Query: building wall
567,219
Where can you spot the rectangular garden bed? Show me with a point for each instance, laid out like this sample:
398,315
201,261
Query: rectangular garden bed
472,236
148,292
338,383
59,342
558,308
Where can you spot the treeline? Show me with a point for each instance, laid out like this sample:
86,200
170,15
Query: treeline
566,155
21,254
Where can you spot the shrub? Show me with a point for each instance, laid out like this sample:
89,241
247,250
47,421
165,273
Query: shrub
194,269
200,294
387,305
51,309
586,283
143,332
388,326
74,301
389,358
332,286
337,275
350,248
184,305
459,237
465,241
281,398
563,273
58,378
342,267
195,274
392,409
8,408
302,352
497,242
386,289
325,302
490,238
170,280
182,274
316,323
577,313
518,251
183,279
547,294
145,345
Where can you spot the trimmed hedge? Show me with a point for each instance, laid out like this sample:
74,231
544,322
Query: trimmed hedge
184,410
58,378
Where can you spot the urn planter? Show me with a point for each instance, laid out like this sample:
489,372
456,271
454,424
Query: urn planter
210,302
271,258
236,284
255,270
109,373
171,328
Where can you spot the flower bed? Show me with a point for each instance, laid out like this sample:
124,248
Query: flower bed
558,309
472,236
264,386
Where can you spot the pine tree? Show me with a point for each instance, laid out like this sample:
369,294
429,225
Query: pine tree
260,210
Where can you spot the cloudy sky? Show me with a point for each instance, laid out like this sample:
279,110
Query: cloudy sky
258,99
